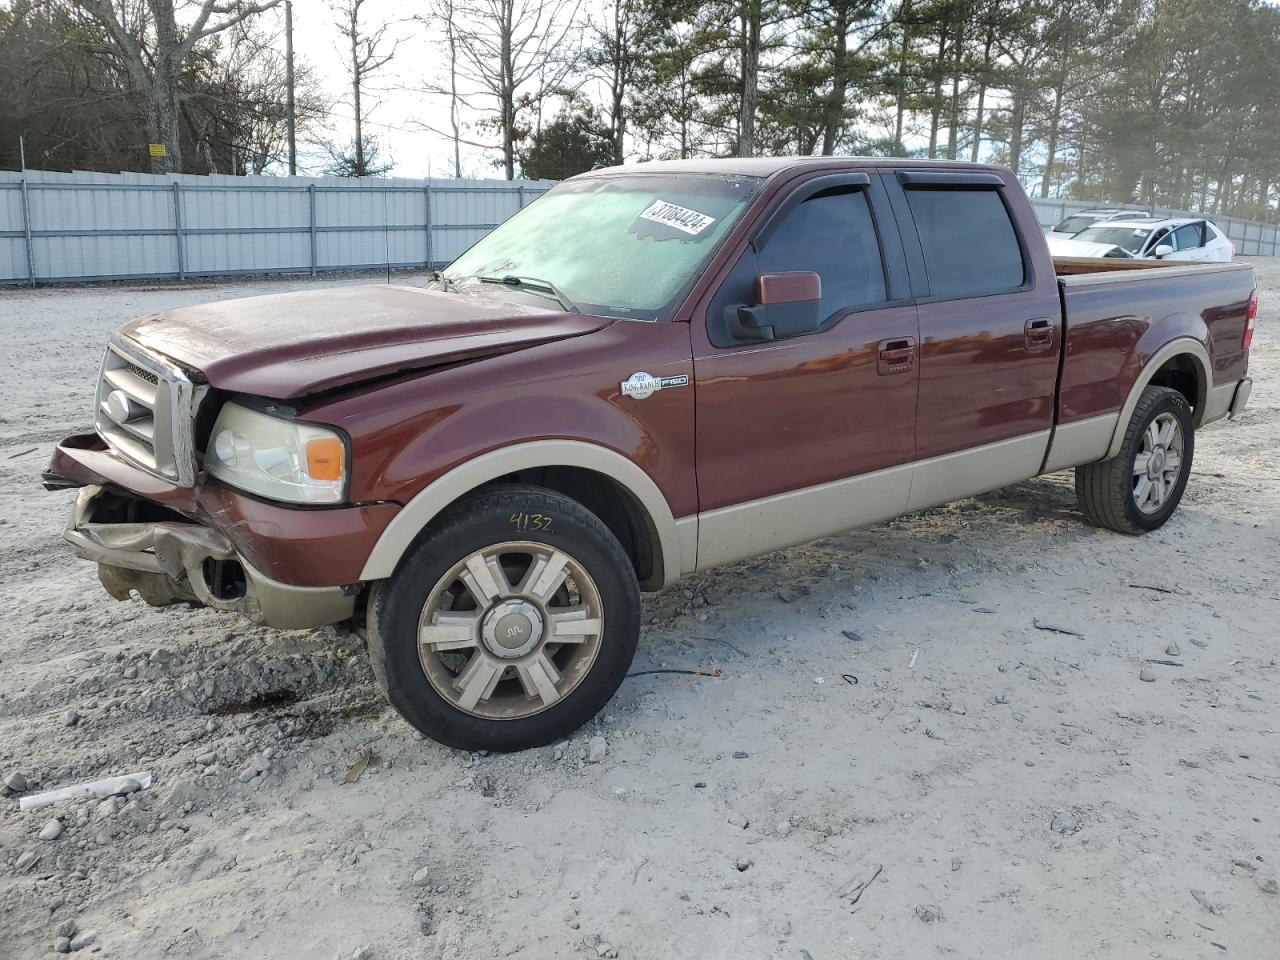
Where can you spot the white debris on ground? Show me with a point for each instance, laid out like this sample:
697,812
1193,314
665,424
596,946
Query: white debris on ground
1017,791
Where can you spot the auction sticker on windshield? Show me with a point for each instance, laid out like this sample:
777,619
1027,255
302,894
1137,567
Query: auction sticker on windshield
681,218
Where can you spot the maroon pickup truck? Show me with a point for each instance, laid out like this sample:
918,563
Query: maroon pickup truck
650,371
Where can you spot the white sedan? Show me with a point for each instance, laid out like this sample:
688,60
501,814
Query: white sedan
1152,238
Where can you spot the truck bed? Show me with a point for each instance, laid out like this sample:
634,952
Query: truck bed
1119,313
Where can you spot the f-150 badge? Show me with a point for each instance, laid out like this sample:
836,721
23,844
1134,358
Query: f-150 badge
641,385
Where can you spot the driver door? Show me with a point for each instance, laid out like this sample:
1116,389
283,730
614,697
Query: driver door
801,437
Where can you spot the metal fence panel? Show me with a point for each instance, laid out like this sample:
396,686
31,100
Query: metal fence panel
89,226
13,242
92,226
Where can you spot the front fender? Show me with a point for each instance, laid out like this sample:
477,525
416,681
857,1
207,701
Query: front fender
425,441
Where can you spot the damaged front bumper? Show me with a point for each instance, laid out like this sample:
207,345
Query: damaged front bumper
278,565
169,562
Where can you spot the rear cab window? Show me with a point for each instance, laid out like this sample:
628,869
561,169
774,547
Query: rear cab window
968,239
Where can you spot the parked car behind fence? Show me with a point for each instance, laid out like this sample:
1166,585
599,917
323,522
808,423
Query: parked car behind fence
1148,238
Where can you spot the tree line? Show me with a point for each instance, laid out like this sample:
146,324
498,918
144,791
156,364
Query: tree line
1161,102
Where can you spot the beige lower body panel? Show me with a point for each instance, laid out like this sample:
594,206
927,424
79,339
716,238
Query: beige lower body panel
687,533
966,472
1241,399
1080,442
799,516
759,526
1217,402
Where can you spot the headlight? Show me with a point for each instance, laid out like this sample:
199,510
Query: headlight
279,459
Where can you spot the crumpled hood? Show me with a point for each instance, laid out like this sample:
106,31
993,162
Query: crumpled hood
1079,248
289,345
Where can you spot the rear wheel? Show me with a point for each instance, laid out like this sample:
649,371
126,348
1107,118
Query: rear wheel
1138,489
509,625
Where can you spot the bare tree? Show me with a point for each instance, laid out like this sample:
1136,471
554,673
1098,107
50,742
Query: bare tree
370,51
237,110
613,58
455,121
442,14
516,52
152,48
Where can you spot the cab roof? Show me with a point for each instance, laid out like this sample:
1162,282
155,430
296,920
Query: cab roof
765,167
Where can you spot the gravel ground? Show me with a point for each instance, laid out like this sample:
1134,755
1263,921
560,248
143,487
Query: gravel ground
895,761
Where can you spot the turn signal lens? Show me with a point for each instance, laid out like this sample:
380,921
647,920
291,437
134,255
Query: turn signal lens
325,458
1249,319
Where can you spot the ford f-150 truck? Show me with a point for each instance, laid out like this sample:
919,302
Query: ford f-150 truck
647,372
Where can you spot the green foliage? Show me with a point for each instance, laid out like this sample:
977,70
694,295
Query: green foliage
570,144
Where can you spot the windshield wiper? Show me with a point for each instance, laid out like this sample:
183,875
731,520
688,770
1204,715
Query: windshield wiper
536,285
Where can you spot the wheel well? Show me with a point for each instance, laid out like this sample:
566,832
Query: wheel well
1182,373
612,503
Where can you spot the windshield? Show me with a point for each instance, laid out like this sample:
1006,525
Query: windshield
1075,224
1129,239
620,245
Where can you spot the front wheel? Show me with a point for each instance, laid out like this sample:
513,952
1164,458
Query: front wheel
510,624
1139,488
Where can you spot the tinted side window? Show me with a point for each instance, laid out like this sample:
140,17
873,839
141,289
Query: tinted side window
1188,237
831,234
970,246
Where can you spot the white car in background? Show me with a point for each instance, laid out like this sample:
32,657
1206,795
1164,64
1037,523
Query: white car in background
1148,238
1083,219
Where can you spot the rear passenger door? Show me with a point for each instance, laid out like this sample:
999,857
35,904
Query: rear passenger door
989,333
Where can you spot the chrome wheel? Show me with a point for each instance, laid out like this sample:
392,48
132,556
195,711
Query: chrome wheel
1158,463
510,630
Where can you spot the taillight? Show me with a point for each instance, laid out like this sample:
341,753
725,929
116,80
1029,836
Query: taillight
1250,316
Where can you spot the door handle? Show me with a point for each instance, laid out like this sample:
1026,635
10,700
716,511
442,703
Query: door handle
1039,332
896,356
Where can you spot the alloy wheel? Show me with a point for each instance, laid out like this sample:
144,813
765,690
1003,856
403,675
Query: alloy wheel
1158,463
510,630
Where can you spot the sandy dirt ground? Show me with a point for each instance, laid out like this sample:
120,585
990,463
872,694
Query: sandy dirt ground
895,761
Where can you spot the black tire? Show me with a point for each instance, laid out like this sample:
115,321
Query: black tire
1105,489
481,520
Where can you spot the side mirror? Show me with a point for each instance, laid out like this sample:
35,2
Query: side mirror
1162,250
787,305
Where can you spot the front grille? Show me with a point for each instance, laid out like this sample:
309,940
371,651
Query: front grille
146,375
145,411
